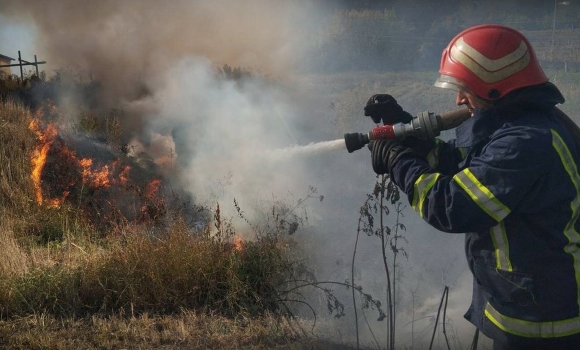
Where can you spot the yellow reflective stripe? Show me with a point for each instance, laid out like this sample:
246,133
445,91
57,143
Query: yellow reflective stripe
550,329
420,190
530,329
573,246
501,247
481,195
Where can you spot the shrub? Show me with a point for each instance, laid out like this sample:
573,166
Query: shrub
159,275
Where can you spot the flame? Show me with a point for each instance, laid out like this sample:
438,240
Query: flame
38,160
103,177
153,207
124,175
95,178
64,171
238,243
57,202
152,188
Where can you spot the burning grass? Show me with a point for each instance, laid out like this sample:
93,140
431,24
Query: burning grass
106,187
77,261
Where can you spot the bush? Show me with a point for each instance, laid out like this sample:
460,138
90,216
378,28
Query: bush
156,275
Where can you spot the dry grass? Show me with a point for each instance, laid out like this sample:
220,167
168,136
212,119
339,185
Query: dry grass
13,260
64,285
146,274
185,330
16,146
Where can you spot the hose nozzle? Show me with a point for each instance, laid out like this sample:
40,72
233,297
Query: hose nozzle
425,126
355,141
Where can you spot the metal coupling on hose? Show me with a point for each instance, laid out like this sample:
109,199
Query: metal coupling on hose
425,126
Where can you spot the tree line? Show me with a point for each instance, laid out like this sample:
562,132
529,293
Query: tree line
397,35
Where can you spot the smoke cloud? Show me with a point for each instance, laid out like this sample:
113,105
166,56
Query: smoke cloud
157,61
126,43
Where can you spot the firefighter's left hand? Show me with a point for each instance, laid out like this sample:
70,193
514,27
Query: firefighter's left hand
384,107
385,153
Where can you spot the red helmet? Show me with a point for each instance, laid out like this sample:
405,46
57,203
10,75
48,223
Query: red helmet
491,61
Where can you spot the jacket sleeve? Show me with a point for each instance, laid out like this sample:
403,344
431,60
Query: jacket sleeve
440,155
481,194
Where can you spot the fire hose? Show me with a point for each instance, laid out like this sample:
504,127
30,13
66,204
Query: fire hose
426,125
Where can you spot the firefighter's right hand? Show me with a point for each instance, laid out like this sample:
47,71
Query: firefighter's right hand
384,107
385,153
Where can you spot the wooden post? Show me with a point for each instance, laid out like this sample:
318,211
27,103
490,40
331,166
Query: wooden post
36,65
20,62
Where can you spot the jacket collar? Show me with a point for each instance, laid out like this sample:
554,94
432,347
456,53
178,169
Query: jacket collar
478,128
520,102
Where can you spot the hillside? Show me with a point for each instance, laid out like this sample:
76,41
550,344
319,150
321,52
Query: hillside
99,252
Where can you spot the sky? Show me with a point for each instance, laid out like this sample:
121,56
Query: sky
16,37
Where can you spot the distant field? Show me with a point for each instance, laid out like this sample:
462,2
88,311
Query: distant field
565,46
415,93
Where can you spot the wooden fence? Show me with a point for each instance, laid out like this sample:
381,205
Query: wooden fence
22,63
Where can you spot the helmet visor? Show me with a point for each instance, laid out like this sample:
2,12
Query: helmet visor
449,82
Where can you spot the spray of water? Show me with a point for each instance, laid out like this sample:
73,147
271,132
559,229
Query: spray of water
312,149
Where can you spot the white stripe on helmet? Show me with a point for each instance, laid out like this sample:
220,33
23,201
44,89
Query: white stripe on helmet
488,70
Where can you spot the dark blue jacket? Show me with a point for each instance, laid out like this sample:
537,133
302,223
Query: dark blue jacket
510,182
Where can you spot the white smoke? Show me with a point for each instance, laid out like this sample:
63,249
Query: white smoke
221,131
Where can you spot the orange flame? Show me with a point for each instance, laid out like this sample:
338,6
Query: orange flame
76,170
152,206
103,177
97,178
238,244
57,202
38,159
124,175
152,188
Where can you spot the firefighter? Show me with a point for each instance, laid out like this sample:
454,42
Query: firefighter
509,181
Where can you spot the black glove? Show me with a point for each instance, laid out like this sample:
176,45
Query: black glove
384,107
385,153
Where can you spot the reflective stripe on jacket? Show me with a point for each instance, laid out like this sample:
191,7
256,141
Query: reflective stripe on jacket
511,182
